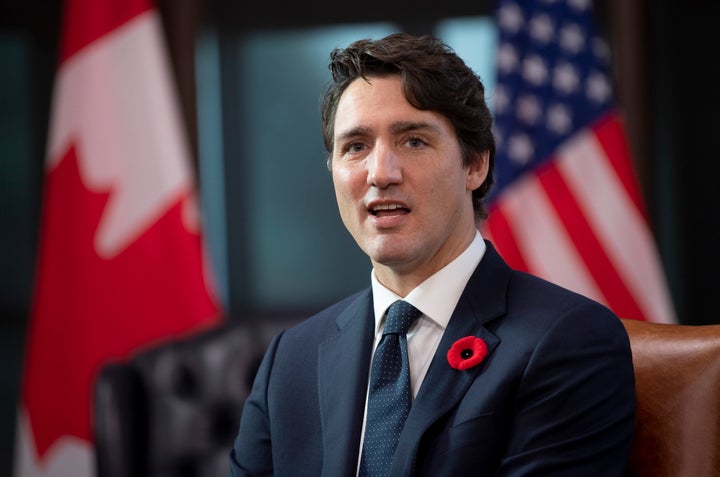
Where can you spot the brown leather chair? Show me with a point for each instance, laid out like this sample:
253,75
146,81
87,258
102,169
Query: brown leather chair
677,372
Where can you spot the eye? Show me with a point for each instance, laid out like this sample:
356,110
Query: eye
355,147
415,142
352,148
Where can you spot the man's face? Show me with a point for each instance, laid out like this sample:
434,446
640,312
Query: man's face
400,183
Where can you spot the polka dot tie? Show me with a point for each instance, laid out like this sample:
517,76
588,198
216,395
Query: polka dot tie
390,395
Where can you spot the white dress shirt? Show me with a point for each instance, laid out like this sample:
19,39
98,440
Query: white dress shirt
436,298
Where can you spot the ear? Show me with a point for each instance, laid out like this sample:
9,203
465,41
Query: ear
478,170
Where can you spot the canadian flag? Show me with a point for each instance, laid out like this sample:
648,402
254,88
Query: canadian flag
120,262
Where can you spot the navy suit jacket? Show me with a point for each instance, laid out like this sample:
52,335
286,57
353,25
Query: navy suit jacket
554,396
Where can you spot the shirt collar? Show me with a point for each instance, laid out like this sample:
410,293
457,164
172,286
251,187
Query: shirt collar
437,296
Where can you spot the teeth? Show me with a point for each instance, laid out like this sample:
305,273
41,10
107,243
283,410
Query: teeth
386,207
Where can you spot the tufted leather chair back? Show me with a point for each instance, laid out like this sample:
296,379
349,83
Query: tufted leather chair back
174,409
677,381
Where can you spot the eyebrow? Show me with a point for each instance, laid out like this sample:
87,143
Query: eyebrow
405,126
354,132
395,128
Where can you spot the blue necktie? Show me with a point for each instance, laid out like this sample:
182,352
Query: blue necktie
390,395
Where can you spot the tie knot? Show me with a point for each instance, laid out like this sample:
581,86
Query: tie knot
400,316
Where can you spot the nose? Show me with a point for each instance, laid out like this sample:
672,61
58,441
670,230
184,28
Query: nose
384,167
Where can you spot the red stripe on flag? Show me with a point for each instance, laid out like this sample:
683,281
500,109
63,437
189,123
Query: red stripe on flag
577,227
503,238
611,136
85,21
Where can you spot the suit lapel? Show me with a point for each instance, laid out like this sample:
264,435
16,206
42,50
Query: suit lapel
443,387
343,367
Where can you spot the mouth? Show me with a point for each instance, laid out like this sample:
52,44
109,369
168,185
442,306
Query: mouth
388,210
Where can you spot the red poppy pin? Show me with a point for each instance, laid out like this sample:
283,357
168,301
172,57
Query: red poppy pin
466,353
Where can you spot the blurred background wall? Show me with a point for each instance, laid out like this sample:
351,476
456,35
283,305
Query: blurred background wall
249,85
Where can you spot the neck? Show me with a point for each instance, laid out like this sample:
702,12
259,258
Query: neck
402,279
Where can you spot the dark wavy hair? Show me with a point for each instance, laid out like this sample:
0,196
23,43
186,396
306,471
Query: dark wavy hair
434,78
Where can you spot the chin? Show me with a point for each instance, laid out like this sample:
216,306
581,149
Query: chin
388,250
390,258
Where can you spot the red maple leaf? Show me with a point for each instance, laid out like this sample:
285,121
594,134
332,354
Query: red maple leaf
88,309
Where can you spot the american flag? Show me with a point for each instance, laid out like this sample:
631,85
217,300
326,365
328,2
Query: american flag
567,205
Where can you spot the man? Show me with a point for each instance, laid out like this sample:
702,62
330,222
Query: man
509,375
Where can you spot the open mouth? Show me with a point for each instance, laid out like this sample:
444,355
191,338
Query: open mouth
385,210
